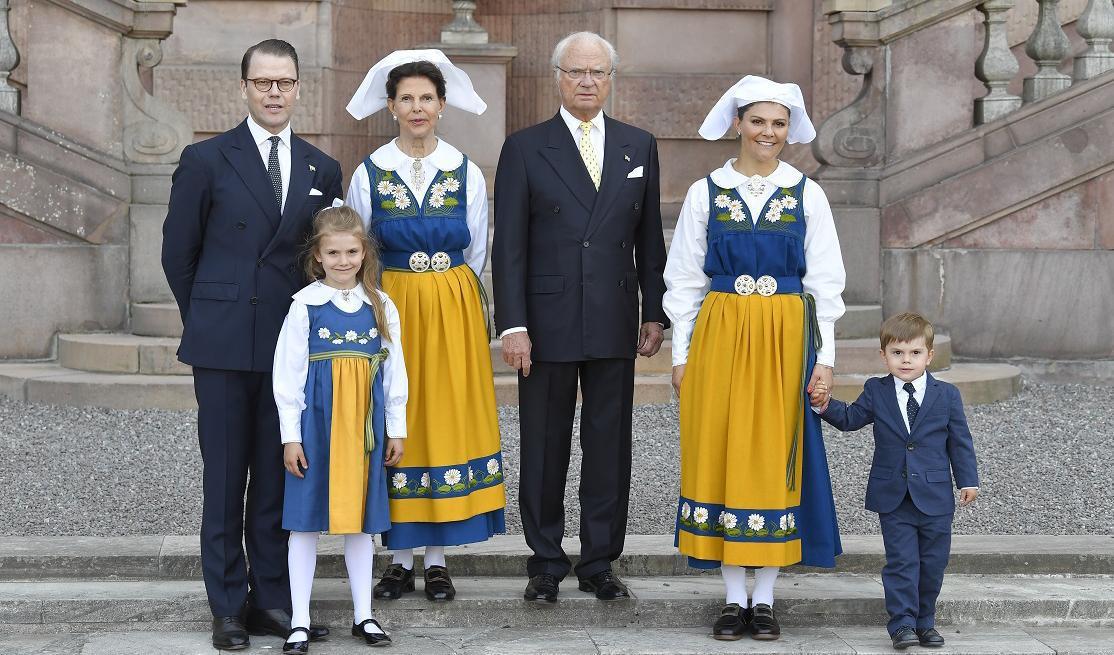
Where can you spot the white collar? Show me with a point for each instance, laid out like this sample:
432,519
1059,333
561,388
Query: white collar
919,384
389,157
729,178
319,293
260,134
574,123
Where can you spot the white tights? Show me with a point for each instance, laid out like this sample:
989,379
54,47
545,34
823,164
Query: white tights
735,579
302,561
434,556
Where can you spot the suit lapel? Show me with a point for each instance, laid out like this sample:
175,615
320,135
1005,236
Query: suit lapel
931,394
243,155
301,179
889,402
564,156
615,147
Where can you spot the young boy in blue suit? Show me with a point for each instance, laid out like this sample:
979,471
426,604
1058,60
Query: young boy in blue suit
919,433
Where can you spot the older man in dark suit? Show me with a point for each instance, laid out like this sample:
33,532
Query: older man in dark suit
577,234
241,207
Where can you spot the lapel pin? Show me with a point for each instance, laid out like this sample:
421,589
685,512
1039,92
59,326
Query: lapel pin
626,157
312,168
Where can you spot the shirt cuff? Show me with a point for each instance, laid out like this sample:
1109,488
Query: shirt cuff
827,353
290,426
511,331
681,339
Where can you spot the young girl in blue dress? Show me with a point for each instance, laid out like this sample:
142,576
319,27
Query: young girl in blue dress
340,386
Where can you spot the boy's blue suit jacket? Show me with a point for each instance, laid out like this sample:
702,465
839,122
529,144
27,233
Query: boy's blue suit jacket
916,463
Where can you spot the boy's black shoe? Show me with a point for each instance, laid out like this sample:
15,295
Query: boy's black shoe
732,623
930,638
371,638
229,633
438,585
763,623
904,638
542,588
396,580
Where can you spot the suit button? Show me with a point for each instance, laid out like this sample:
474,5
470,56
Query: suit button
556,209
622,244
292,268
636,206
903,474
241,225
587,243
911,447
259,263
254,300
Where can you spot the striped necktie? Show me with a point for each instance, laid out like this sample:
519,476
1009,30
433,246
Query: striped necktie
588,153
274,171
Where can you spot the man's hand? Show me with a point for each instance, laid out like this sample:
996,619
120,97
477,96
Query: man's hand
516,352
967,496
294,457
650,336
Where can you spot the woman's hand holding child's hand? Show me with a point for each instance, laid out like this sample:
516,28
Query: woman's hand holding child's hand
393,454
294,457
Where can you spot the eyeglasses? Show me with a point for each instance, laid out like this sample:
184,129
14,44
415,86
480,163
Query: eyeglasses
579,73
263,85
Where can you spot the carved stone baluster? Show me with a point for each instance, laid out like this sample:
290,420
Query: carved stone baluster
463,28
9,59
1047,45
1096,26
996,66
854,136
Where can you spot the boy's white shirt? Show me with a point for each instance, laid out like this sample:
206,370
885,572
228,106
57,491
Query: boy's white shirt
291,365
444,157
685,281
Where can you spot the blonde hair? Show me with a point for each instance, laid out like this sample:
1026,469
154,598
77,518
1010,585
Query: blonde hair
906,327
345,220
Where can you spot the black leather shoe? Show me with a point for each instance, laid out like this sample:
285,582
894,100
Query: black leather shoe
276,623
605,585
763,623
438,585
296,647
396,580
372,638
732,623
229,633
904,637
930,638
542,588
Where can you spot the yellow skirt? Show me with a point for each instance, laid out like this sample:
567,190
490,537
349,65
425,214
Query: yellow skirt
451,468
741,430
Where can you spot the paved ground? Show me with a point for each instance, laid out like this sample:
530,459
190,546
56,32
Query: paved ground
84,471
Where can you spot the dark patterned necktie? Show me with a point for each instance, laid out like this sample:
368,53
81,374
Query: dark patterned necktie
274,171
912,406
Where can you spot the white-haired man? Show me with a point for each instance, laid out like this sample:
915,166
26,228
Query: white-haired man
577,234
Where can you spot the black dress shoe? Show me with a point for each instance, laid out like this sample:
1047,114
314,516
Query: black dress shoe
276,622
229,633
396,580
296,647
542,588
930,638
438,585
904,637
732,623
763,623
606,585
372,638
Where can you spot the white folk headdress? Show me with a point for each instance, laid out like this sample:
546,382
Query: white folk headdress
372,94
759,89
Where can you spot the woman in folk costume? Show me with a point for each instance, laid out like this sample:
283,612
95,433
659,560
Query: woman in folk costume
426,203
754,278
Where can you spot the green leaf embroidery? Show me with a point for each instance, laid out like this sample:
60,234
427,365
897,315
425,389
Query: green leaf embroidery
723,217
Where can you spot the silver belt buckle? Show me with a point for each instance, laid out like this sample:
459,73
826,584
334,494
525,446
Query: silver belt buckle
766,285
441,261
419,262
744,285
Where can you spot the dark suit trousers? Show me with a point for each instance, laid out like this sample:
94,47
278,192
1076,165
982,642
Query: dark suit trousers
547,402
917,548
237,426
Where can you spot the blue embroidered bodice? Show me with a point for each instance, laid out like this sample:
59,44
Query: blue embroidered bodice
403,225
333,331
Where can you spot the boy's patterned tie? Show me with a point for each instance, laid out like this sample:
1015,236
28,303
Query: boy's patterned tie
274,171
588,153
911,407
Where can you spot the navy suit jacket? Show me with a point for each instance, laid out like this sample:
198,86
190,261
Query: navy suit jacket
231,260
568,262
916,463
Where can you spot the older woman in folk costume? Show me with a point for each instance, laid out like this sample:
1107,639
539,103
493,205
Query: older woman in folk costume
754,279
426,204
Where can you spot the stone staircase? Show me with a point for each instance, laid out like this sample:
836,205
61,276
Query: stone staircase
143,594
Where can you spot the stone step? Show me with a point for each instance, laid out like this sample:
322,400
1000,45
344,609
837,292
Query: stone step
159,319
120,353
49,383
977,639
803,600
860,322
155,557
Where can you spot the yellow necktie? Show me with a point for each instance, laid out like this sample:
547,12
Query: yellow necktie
588,153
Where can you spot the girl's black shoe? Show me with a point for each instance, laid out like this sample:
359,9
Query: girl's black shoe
372,638
732,623
763,623
438,584
296,647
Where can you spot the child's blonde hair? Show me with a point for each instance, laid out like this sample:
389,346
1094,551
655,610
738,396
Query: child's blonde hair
344,220
906,327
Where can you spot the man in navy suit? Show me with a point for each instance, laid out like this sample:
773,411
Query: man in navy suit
920,432
577,235
241,208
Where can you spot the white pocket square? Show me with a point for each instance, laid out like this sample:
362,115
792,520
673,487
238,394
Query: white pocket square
314,192
635,173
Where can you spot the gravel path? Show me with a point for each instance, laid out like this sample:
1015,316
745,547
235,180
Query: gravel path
1043,458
